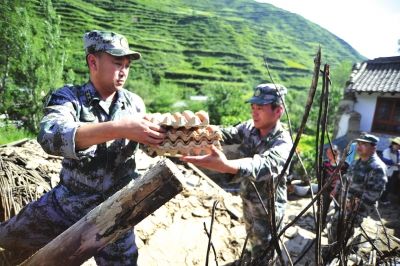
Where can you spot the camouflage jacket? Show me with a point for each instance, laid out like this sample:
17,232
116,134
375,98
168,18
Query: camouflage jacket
265,158
367,179
103,168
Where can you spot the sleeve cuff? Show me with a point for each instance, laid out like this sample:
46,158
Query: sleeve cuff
69,148
245,168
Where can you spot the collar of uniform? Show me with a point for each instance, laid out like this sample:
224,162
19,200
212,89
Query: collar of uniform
90,93
274,132
369,160
92,96
120,102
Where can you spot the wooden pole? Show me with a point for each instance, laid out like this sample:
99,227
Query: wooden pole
112,218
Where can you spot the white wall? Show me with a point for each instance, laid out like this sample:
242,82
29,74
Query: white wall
343,125
365,105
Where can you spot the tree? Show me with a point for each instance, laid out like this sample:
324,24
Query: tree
35,58
339,75
12,42
226,103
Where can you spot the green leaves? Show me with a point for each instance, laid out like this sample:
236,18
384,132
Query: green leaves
34,57
211,48
226,103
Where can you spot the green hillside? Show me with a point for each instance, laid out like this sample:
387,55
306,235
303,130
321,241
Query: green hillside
207,48
212,48
197,42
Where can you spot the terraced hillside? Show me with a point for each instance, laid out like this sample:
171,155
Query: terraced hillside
197,42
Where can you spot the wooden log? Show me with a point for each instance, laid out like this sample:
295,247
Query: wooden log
112,218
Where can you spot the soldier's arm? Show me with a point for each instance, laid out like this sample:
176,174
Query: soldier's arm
133,128
374,186
63,134
259,167
60,123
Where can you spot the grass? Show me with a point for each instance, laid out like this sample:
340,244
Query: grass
306,144
10,133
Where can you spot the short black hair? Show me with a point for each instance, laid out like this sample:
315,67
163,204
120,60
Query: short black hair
96,54
276,104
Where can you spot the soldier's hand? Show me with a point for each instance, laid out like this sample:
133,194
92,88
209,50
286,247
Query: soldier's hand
141,130
216,161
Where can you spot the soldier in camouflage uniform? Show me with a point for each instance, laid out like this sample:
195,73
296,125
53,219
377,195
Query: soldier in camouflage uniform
97,128
366,178
264,149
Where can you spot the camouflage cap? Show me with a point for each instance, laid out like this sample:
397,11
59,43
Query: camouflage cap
368,138
267,93
110,42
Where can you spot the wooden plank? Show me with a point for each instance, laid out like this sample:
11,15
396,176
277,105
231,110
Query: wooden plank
15,143
112,218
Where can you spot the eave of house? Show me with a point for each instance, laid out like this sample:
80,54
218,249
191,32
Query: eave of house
380,75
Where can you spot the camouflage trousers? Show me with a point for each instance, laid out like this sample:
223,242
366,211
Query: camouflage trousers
41,221
258,229
351,225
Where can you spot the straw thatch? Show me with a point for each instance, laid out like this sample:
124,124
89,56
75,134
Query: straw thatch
26,172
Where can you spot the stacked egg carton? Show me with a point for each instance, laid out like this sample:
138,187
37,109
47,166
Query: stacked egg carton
188,133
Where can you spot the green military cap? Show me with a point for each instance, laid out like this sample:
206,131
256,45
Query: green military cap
368,138
268,93
110,42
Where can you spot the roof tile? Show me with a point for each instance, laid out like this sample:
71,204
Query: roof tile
378,75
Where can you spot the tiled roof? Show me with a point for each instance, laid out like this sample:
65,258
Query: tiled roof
378,75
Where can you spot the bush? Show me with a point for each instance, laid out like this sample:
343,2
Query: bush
226,104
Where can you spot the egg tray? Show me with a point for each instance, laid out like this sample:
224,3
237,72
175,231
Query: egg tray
187,133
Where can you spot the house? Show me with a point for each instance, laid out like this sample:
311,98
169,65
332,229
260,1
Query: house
371,102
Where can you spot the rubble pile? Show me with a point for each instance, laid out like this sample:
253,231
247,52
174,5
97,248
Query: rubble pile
177,233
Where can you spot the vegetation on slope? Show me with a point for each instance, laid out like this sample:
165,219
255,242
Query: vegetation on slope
212,48
208,48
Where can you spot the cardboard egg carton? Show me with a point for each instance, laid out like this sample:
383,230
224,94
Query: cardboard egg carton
186,119
187,133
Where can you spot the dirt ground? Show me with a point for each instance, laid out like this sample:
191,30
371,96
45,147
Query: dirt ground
176,233
183,241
